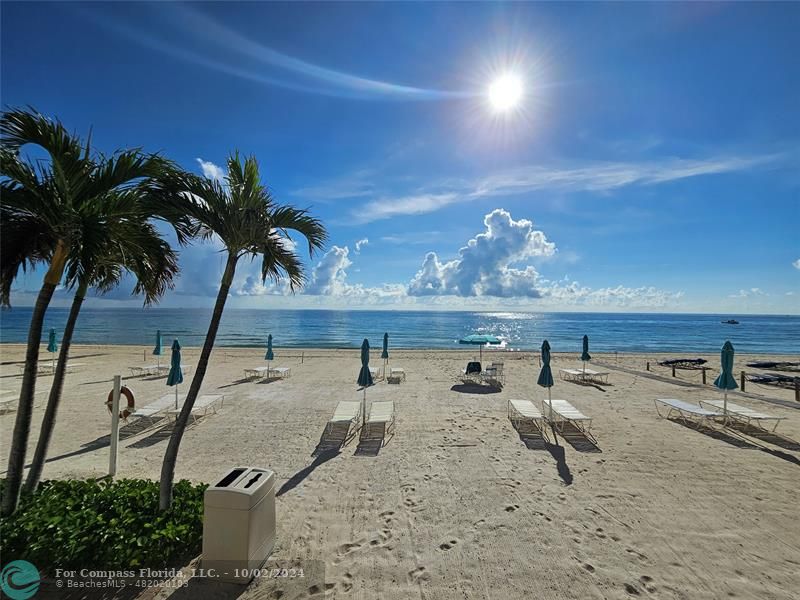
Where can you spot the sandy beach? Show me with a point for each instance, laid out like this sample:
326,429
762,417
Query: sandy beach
458,504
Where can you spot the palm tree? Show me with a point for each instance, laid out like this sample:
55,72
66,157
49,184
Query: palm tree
244,216
44,200
119,238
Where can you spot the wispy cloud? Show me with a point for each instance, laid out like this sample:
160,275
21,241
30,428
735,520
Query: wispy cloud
796,264
751,293
360,244
355,185
576,177
186,23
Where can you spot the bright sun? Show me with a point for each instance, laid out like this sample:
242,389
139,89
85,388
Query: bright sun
505,92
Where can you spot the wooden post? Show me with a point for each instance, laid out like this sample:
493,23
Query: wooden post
112,459
741,381
797,389
704,375
673,370
302,357
648,365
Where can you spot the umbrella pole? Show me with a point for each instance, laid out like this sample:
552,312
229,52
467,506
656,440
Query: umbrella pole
550,403
364,408
725,404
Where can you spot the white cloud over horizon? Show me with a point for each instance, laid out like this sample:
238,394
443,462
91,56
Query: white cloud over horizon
796,264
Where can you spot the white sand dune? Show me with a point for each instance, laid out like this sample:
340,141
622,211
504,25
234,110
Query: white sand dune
458,504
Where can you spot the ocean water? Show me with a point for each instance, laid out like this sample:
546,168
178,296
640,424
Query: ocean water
608,332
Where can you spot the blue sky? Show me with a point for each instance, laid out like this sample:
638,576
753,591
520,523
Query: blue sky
652,163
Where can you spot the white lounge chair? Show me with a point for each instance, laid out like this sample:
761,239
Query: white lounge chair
268,373
520,411
47,367
159,406
148,370
581,375
564,413
748,416
202,406
397,374
381,414
345,412
688,412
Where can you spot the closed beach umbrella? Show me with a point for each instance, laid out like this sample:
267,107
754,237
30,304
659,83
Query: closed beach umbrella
52,346
546,375
585,356
385,353
175,375
480,340
364,378
269,356
158,350
726,381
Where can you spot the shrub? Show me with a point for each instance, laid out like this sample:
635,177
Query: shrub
104,524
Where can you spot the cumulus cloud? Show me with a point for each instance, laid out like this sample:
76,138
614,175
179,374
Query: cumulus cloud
211,170
484,266
796,264
360,244
329,274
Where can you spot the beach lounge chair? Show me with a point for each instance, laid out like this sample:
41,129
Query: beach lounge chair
493,374
202,406
157,407
563,413
381,415
520,411
268,372
397,374
345,412
748,416
47,368
472,372
584,375
148,370
687,412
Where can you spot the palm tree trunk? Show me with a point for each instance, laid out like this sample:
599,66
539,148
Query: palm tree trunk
22,425
49,419
171,455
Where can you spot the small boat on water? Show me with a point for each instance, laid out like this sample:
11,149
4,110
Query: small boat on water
731,322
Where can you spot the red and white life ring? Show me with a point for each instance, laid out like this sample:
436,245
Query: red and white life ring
128,393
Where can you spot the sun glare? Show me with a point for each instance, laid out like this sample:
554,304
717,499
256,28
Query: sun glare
505,92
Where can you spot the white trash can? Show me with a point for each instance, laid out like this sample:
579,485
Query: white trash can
238,524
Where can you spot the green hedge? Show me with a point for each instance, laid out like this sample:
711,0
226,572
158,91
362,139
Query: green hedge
104,524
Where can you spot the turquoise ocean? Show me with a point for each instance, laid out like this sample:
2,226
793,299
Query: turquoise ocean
608,332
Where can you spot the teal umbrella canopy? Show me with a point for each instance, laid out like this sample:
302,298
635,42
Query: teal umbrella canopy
545,375
158,350
385,353
480,340
175,373
269,355
364,376
52,346
586,356
726,381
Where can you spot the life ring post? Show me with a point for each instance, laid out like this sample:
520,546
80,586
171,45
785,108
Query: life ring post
112,459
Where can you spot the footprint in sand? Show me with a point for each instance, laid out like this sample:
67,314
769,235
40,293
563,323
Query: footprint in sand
417,575
588,567
347,582
445,546
512,507
632,589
